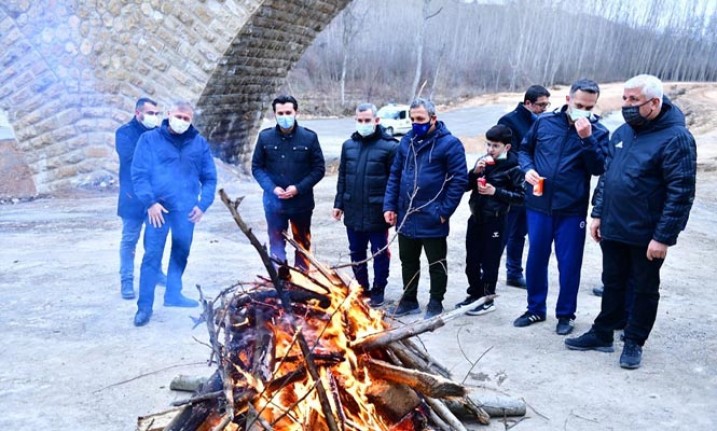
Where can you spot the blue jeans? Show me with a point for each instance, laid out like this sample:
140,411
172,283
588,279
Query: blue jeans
516,228
277,223
568,234
358,241
131,228
154,239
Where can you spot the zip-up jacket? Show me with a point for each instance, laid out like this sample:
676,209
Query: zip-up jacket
519,121
284,160
553,148
648,187
428,178
126,137
507,178
363,174
176,171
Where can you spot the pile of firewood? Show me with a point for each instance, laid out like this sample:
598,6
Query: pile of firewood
302,351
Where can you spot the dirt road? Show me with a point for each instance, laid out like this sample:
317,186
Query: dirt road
72,360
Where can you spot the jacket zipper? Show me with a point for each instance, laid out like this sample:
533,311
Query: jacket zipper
555,171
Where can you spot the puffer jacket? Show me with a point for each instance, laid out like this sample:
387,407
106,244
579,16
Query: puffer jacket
363,174
284,160
648,188
176,171
553,148
507,178
126,137
428,177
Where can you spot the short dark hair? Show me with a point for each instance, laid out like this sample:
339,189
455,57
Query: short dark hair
285,99
535,92
586,85
499,133
142,100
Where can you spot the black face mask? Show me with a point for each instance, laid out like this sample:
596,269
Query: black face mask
632,116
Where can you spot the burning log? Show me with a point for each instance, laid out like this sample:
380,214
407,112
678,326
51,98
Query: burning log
300,350
428,384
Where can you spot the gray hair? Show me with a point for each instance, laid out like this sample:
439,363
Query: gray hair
181,105
585,85
363,107
419,102
650,86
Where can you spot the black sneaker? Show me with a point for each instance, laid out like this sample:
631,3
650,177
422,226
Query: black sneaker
631,355
405,308
365,292
589,341
564,326
527,319
516,282
142,317
376,298
433,309
482,309
597,291
468,301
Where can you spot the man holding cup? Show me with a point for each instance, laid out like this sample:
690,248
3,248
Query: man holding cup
559,155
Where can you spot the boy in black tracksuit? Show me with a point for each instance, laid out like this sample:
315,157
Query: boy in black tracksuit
489,205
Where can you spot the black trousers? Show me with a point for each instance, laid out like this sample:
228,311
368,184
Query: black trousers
409,251
484,245
625,266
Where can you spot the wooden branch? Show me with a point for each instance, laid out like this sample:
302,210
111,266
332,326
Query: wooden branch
427,384
411,359
199,398
492,405
326,272
382,339
423,353
260,248
445,414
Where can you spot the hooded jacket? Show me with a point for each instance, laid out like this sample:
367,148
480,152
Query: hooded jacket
648,187
126,137
553,148
429,177
284,160
363,174
507,178
176,171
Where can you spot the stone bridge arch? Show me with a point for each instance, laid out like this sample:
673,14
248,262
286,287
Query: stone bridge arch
71,70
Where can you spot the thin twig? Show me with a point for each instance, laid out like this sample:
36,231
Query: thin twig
148,374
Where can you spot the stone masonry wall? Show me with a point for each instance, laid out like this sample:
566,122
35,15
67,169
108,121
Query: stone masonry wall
71,71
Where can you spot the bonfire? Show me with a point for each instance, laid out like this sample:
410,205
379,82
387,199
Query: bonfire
301,350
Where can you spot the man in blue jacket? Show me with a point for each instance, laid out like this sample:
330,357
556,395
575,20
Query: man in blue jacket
563,149
287,163
427,181
365,165
129,208
535,102
175,178
642,203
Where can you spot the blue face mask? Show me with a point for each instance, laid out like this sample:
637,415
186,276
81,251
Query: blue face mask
285,121
420,129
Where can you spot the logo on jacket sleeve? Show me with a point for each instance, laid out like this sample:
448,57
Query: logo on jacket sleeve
618,145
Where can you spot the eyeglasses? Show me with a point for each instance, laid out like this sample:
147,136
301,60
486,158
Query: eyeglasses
544,105
151,112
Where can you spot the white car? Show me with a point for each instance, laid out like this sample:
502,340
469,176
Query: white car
395,119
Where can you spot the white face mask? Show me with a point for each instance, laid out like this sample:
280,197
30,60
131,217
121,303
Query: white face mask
178,126
365,129
503,155
576,114
150,121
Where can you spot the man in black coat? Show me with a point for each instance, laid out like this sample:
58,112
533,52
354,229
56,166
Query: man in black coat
642,203
535,102
129,208
365,165
287,163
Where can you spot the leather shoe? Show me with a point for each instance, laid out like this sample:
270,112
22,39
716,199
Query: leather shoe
180,300
127,290
516,282
142,317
